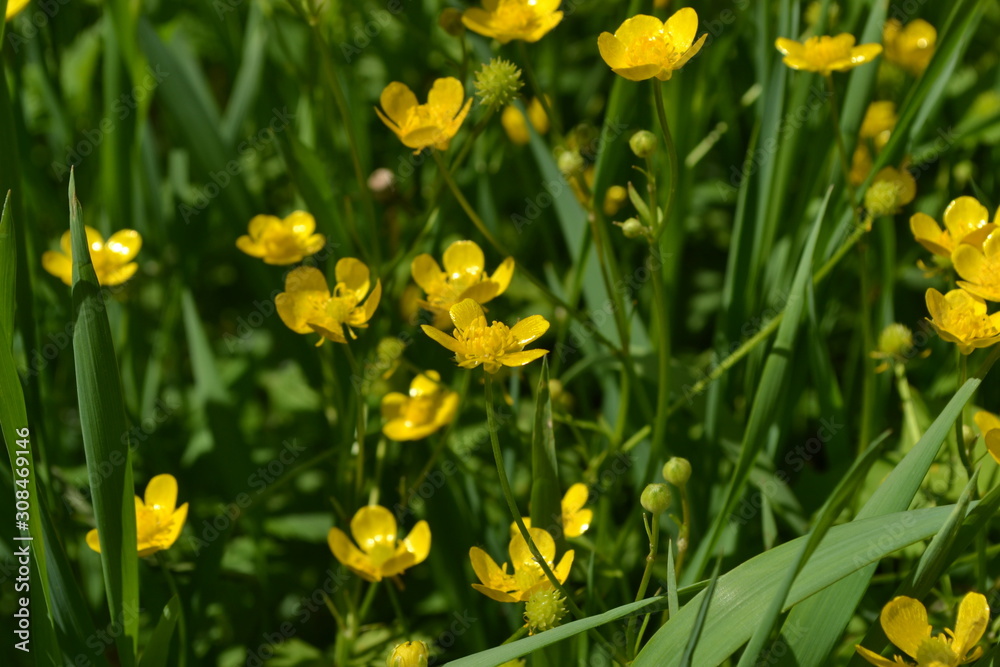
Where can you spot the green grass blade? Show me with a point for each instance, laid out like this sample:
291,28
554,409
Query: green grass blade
546,503
8,271
158,649
843,551
105,439
699,620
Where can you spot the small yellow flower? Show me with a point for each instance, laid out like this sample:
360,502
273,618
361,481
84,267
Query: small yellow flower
278,241
15,6
464,277
375,531
307,305
515,125
528,576
904,621
879,121
158,520
575,519
644,46
614,198
960,318
890,191
112,259
476,343
504,20
429,406
410,654
980,268
420,126
825,54
911,47
966,222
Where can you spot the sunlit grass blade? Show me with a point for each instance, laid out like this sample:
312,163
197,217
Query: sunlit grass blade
546,508
157,651
842,552
105,438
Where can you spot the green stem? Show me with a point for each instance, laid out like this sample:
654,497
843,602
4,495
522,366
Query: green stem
905,396
366,604
359,470
668,139
516,514
654,543
963,453
867,370
684,538
841,148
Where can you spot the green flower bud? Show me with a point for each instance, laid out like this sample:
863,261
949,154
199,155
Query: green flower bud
677,471
643,143
409,654
497,83
570,163
632,228
543,610
655,498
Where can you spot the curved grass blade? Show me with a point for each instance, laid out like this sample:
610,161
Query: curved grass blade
546,504
158,649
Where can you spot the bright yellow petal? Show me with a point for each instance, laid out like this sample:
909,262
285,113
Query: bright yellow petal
479,21
515,359
117,276
445,96
529,329
963,216
300,223
928,234
575,498
520,555
176,525
466,313
495,594
789,47
612,50
426,384
94,540
442,338
397,99
565,565
936,304
427,272
578,523
681,28
354,275
970,263
371,304
986,421
865,53
306,279
638,29
124,245
904,621
161,493
349,555
392,405
59,265
993,444
487,570
875,658
464,257
373,525
973,617
639,73
249,246
418,542
503,275
691,52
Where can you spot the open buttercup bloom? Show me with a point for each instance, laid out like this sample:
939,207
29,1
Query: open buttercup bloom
644,46
979,267
281,241
430,125
904,621
308,306
911,47
427,407
826,54
158,520
528,577
494,345
14,7
575,519
379,552
112,259
464,277
966,221
960,318
506,20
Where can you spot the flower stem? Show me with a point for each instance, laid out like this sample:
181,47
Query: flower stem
841,148
668,139
181,620
647,573
519,521
359,460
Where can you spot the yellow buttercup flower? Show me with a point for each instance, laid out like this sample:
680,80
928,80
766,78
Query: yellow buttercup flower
428,407
904,621
14,7
825,54
861,164
409,654
307,305
158,520
375,531
112,259
527,577
575,519
644,46
910,47
879,121
966,221
421,126
281,241
504,20
516,125
464,277
979,267
476,343
960,318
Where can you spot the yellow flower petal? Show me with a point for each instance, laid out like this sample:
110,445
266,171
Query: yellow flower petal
391,405
575,498
973,617
515,359
789,47
349,555
124,245
529,329
354,275
161,493
442,338
612,50
464,257
446,96
928,234
397,99
875,658
520,553
59,265
467,313
681,27
495,594
986,421
418,542
177,520
373,526
904,621
638,28
992,439
963,216
94,540
427,273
